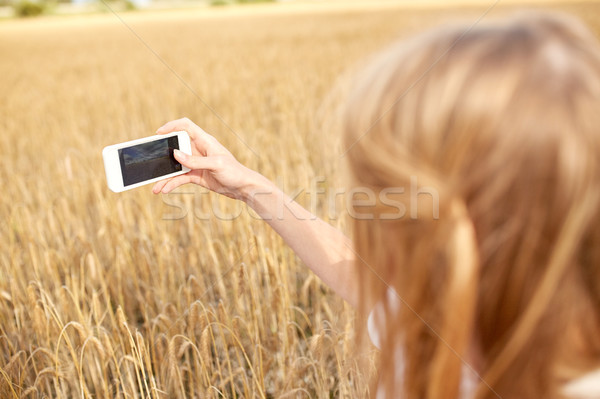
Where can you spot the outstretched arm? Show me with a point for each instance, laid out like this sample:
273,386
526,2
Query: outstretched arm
323,248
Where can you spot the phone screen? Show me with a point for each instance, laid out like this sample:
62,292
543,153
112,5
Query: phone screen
148,160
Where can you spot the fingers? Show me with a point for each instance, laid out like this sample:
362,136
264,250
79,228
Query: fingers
177,125
204,142
175,182
159,186
196,162
185,124
192,162
193,130
168,185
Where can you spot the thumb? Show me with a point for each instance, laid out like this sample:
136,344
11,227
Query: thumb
193,162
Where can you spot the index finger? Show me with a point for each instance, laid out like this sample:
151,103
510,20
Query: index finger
180,124
197,134
202,140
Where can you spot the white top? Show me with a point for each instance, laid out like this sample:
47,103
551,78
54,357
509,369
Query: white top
585,387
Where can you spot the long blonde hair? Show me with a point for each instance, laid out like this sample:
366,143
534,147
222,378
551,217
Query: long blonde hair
498,130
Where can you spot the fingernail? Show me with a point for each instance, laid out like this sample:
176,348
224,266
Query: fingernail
179,154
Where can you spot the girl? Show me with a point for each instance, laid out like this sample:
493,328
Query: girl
491,287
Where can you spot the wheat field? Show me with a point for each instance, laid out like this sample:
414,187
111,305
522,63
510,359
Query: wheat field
187,295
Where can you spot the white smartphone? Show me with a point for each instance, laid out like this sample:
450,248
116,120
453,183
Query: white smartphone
135,163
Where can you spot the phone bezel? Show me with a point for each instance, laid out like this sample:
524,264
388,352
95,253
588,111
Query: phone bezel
112,165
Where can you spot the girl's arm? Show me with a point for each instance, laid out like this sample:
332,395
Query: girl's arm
323,248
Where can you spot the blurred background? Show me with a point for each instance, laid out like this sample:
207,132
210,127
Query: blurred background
185,295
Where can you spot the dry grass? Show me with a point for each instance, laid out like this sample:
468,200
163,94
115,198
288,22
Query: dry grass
101,295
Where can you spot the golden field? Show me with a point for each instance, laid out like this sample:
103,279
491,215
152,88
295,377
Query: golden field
188,295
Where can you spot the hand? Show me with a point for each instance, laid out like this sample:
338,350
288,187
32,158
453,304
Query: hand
212,165
324,249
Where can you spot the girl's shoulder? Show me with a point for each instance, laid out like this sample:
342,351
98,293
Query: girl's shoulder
585,387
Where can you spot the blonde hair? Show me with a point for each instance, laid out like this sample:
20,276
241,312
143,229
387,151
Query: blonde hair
503,122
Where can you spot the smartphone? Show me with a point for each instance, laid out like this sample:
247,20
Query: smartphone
138,162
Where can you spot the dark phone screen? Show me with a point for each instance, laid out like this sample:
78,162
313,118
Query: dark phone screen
148,160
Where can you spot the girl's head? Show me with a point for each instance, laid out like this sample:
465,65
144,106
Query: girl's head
486,145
